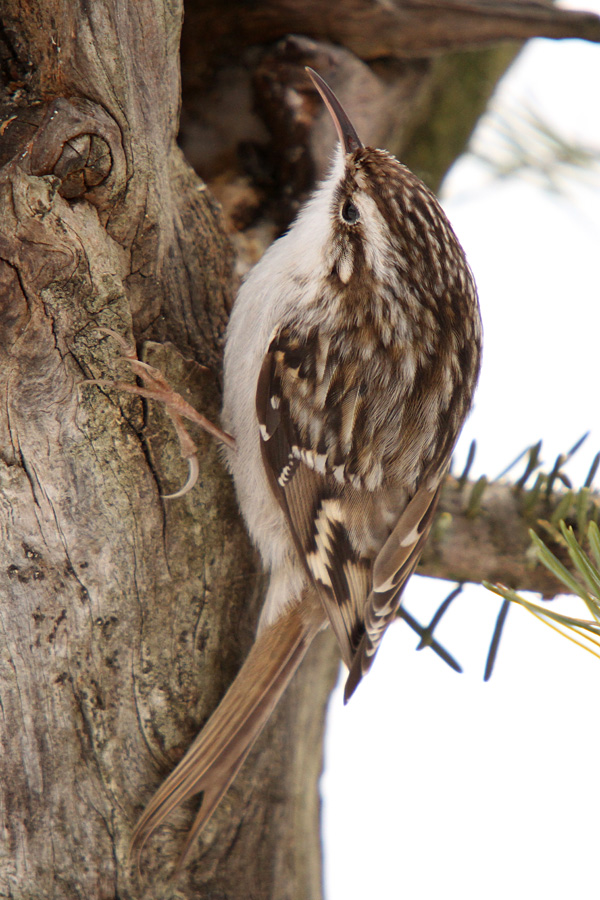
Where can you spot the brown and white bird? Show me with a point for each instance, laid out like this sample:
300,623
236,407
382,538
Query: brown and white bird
352,354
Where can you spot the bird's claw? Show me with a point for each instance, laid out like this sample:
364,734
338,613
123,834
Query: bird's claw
156,387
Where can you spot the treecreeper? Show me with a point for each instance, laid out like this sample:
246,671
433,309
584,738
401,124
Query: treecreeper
351,358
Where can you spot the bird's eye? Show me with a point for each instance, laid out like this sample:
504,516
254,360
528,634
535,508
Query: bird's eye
350,213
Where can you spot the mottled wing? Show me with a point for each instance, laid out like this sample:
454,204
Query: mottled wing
316,503
359,543
393,566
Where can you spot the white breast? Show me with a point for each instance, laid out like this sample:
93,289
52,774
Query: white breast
277,289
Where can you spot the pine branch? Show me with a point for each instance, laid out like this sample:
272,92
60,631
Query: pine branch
483,528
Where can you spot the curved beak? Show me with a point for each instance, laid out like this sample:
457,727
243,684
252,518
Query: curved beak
349,139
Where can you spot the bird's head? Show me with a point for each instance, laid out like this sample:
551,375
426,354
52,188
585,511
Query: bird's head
383,223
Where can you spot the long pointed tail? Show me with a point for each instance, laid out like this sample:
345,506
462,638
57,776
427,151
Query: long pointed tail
215,757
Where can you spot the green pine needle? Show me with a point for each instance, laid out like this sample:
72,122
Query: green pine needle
583,632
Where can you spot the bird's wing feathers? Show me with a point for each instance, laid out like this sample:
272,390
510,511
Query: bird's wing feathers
312,501
393,567
357,549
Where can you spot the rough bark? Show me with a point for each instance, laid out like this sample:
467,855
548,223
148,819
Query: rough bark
125,617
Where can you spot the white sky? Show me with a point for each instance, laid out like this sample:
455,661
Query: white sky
437,784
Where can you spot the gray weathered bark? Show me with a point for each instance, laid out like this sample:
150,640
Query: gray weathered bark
125,617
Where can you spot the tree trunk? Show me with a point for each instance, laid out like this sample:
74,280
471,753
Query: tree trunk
124,617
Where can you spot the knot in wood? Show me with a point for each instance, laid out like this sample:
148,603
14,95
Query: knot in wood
81,144
85,162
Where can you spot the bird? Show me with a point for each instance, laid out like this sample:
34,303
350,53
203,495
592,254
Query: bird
351,357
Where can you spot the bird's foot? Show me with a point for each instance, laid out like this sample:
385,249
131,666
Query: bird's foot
155,387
